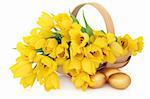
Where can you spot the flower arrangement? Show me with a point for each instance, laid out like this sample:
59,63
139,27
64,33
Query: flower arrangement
61,41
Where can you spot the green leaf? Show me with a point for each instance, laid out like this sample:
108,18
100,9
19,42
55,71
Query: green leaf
83,30
39,50
103,31
89,30
55,29
57,37
52,14
74,18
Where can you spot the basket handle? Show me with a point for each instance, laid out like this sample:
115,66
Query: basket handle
102,11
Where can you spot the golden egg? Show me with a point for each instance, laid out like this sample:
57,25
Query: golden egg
98,79
109,71
119,80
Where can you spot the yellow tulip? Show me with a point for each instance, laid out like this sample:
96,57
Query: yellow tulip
89,66
98,34
57,50
78,38
52,53
63,24
62,49
72,65
41,43
21,68
82,80
108,56
64,42
51,82
61,52
30,40
94,53
42,72
100,42
45,21
76,54
51,46
66,66
41,33
35,41
28,80
60,61
73,73
22,58
140,44
76,26
101,39
127,42
26,51
63,21
110,37
131,45
38,58
117,49
46,67
49,63
75,65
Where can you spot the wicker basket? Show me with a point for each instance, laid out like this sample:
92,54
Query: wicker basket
120,61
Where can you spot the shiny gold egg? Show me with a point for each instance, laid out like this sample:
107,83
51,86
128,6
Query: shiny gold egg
109,71
119,80
98,79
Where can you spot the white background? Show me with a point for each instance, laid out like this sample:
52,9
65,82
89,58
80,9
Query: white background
18,17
